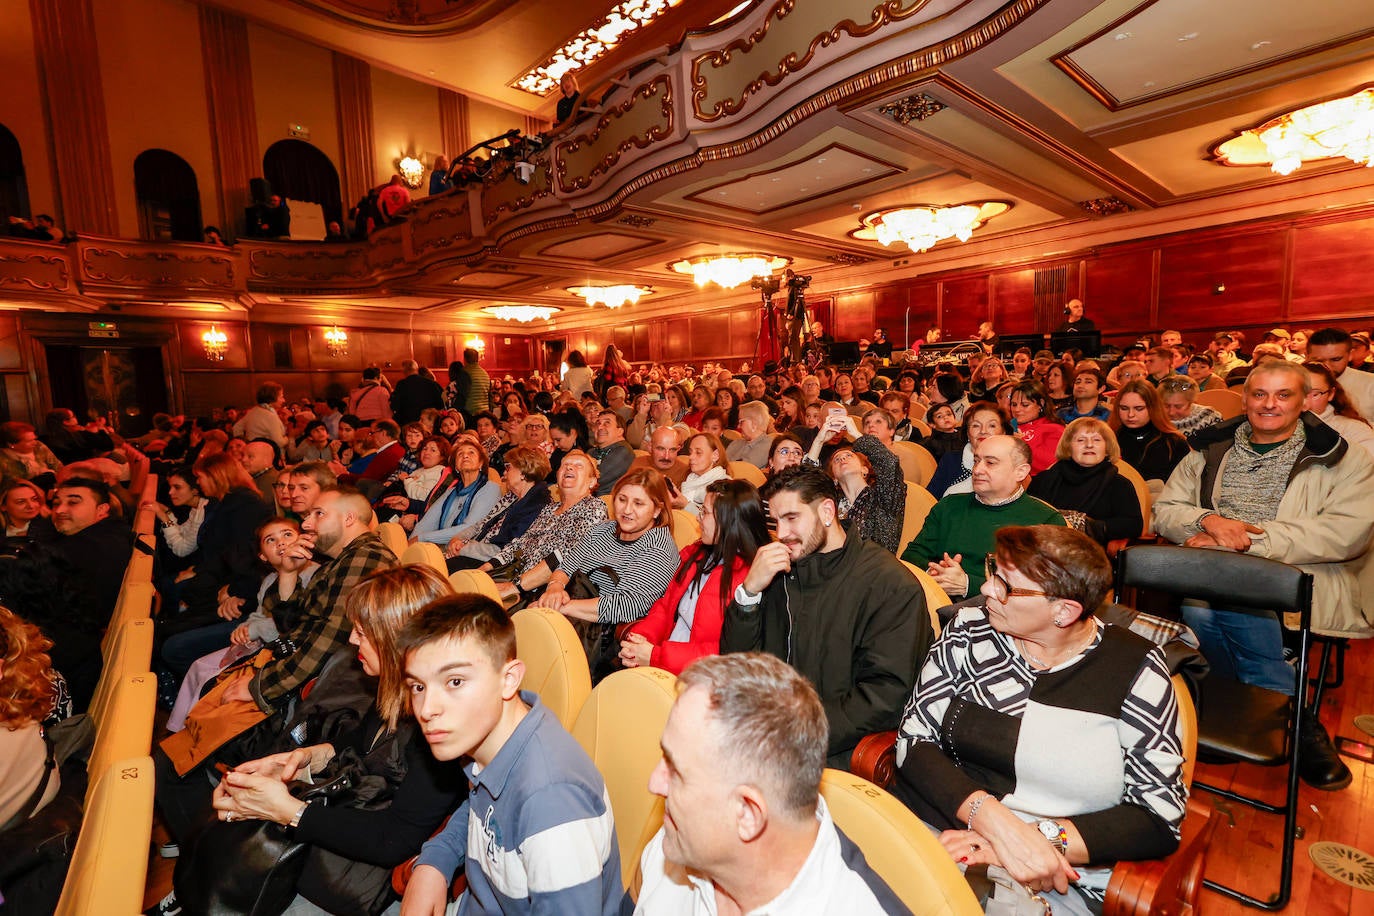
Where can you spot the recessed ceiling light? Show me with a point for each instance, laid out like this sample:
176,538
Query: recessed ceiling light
1260,44
1121,36
1148,84
777,179
1189,37
821,160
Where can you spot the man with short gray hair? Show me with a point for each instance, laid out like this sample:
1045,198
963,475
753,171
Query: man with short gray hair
1277,482
754,442
743,752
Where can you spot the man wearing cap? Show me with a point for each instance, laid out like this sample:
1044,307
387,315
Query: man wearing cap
1359,352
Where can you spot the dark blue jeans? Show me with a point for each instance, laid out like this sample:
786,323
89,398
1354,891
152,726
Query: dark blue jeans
181,650
1244,647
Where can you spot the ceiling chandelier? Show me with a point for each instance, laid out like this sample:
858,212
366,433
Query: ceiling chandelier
729,270
521,312
923,227
592,42
1340,127
611,296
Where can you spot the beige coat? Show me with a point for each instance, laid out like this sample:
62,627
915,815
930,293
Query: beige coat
1324,524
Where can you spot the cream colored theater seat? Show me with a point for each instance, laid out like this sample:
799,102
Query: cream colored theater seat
130,652
619,727
423,553
918,465
898,846
110,862
127,729
393,536
555,662
743,470
686,528
474,582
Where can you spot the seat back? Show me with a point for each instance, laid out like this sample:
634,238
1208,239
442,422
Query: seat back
135,602
936,596
110,862
140,568
898,847
1230,580
918,465
743,470
130,652
919,502
609,500
555,662
686,528
474,582
425,553
619,727
1225,402
393,536
1142,493
923,428
127,728
1187,719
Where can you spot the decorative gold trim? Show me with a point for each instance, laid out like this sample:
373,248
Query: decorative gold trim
885,13
401,19
257,266
459,229
644,91
636,221
13,277
156,260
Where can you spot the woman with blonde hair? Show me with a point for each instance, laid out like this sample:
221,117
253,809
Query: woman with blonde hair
1085,486
25,511
28,692
385,749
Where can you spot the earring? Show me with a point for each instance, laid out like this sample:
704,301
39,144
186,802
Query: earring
1059,621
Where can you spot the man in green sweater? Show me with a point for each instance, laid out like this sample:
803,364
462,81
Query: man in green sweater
961,529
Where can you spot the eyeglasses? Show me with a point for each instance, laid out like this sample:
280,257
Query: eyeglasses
1319,392
1001,588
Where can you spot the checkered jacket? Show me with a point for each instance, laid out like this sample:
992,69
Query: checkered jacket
313,618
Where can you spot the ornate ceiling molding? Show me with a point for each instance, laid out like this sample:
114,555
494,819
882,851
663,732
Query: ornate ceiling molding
725,64
407,17
640,131
916,107
1105,206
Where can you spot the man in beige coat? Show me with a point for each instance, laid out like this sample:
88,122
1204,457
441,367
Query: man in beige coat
1278,483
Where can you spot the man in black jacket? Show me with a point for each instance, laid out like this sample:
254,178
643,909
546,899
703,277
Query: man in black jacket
842,611
413,394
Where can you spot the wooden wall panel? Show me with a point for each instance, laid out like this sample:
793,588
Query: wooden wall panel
889,311
11,357
677,339
1332,270
193,346
706,329
924,301
852,316
1118,289
1013,301
964,304
641,348
1250,265
744,335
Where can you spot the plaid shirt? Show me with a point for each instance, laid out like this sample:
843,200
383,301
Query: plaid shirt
313,618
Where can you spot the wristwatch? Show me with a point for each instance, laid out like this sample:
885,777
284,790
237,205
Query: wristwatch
1055,833
300,812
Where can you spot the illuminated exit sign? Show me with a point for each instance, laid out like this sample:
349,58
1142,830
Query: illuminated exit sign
102,329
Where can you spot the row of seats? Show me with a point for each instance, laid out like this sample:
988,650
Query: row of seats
109,865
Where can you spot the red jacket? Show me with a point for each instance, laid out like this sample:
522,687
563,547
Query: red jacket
1042,435
657,625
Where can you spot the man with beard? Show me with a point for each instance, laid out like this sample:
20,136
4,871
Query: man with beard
843,611
311,618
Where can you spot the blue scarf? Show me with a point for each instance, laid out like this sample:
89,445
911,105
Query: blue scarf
467,493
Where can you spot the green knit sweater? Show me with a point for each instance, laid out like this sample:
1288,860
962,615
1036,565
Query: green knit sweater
960,524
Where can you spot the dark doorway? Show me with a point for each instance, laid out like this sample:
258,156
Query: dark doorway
124,384
553,356
168,198
299,171
14,188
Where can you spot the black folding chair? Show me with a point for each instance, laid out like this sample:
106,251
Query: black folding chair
1237,722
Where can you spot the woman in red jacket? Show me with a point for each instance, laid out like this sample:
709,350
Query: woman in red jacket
685,623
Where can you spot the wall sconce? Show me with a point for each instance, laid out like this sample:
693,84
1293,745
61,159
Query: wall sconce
336,340
475,343
216,344
412,171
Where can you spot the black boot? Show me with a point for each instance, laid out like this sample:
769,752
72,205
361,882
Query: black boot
1318,763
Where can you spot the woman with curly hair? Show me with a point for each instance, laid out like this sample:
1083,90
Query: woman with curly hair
27,695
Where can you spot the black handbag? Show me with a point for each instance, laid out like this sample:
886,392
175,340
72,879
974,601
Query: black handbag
598,639
250,868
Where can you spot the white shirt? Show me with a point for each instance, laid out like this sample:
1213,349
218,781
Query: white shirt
1353,431
826,883
1359,386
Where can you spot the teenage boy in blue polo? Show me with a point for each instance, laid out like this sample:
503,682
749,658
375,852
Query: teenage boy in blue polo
536,834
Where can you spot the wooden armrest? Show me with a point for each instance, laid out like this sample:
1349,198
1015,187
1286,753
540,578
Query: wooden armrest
1172,884
875,758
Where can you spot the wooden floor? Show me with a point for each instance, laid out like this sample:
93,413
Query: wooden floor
1245,845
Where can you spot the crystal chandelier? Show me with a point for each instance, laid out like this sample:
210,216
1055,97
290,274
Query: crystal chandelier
1340,127
611,296
586,46
216,343
521,312
336,340
923,227
730,270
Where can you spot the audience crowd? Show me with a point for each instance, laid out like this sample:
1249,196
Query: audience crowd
752,533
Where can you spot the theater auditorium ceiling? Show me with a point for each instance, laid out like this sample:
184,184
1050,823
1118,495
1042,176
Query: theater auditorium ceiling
778,128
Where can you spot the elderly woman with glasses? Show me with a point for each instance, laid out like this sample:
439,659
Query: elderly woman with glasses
1040,740
1085,486
1179,394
